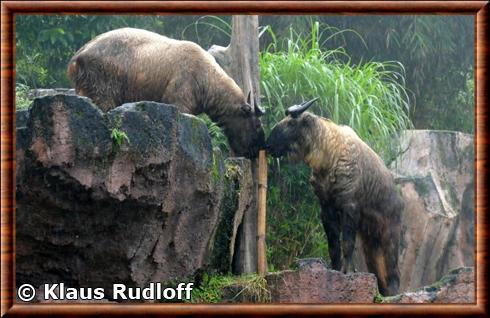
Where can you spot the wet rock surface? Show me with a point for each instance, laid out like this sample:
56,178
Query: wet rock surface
434,173
313,282
91,212
458,286
237,200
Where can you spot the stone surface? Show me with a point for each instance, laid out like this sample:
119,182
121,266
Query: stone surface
91,213
237,200
41,92
314,283
434,173
21,118
458,286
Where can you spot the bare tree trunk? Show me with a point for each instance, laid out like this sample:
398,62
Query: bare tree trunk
240,60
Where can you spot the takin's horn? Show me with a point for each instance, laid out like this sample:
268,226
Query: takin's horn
297,110
249,100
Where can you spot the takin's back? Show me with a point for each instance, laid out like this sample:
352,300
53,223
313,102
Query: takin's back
127,65
356,160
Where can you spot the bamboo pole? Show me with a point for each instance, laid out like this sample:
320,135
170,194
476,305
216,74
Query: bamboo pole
261,213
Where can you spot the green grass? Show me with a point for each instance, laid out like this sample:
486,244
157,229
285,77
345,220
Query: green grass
369,97
251,287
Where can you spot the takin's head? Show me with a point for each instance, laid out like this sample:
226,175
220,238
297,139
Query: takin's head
244,130
291,137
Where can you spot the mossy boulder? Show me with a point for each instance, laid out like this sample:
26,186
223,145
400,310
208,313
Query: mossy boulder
90,214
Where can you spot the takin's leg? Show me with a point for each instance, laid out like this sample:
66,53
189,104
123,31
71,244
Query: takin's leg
380,235
350,214
331,224
390,250
392,237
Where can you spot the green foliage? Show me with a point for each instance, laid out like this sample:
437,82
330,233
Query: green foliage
369,97
252,287
31,72
438,55
118,137
22,102
293,217
378,299
218,139
211,289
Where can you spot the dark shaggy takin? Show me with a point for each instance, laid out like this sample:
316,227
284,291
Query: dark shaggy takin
356,191
128,65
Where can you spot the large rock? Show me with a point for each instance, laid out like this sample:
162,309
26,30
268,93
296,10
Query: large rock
314,283
458,286
434,173
91,212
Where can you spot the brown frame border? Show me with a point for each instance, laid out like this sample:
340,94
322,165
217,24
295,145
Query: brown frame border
9,8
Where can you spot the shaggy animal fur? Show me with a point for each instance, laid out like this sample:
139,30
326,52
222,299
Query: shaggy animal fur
128,65
356,191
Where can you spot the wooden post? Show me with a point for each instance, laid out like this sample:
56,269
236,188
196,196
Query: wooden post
261,214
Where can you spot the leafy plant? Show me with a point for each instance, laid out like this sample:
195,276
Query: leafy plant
22,102
118,137
378,299
31,71
218,138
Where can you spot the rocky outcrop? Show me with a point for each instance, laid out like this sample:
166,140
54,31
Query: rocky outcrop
458,286
434,173
95,207
312,282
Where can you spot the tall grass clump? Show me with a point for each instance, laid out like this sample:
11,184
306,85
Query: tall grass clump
369,97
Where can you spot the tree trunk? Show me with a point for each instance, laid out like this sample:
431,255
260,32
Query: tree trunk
240,60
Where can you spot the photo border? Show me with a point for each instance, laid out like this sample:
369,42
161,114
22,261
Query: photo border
479,9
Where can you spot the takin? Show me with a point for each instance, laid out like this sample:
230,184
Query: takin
356,191
128,65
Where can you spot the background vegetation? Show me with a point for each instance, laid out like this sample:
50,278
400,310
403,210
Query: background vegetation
377,74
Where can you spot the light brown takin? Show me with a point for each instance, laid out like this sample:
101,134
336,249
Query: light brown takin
356,191
129,65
